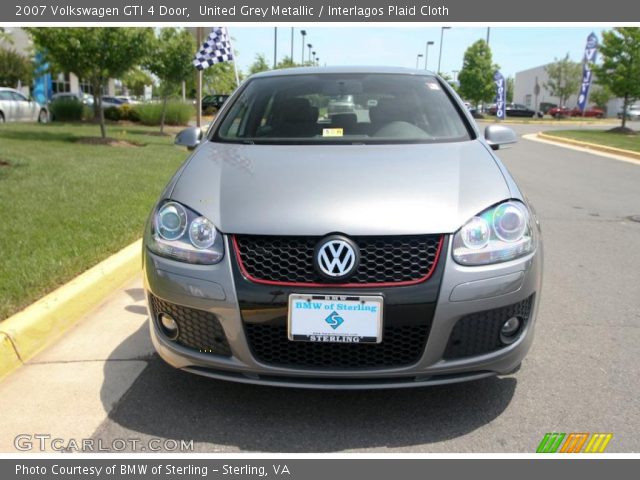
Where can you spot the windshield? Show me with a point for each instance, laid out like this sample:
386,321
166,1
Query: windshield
339,108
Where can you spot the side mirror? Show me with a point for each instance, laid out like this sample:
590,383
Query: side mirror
497,135
189,137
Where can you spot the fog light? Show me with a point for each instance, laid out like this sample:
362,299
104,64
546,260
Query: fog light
169,325
509,330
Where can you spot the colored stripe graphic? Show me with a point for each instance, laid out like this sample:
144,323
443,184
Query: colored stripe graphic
598,442
574,442
550,443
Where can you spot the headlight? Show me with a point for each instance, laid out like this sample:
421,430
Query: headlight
179,233
499,234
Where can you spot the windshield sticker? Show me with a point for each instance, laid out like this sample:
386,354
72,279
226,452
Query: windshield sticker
332,132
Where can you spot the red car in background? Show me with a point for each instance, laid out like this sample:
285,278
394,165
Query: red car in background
557,112
589,112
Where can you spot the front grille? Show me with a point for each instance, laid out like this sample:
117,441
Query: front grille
400,346
197,329
479,332
290,260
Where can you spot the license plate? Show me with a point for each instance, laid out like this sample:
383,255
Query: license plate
335,319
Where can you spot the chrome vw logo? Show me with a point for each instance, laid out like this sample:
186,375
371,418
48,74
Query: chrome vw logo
336,257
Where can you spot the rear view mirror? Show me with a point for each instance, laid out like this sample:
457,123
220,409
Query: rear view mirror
189,137
497,135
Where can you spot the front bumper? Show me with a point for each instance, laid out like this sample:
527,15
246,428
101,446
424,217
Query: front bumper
454,293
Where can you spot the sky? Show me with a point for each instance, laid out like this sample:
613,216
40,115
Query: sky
514,48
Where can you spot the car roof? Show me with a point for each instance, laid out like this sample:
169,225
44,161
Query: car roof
338,70
9,89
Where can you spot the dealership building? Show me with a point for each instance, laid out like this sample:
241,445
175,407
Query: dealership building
46,85
526,92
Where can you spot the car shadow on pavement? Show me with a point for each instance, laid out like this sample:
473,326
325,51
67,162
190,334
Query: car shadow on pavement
223,416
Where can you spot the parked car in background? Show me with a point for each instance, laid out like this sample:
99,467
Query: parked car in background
559,112
85,98
592,112
514,110
545,107
108,102
213,103
16,107
127,99
633,112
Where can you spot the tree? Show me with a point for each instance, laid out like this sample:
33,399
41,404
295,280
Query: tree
600,96
93,54
135,80
564,79
259,65
14,68
287,62
510,87
476,75
620,68
220,78
5,37
169,59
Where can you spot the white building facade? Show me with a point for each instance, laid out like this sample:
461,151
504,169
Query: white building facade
526,92
20,41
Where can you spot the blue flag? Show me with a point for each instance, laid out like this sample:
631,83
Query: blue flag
501,95
590,55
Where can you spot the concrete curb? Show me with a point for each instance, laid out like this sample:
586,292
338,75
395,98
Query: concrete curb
591,146
28,332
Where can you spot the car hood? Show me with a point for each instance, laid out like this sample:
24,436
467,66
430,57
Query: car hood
351,189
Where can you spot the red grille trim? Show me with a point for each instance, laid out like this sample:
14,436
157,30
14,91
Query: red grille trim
253,279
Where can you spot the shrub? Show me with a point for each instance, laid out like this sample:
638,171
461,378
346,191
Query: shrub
87,113
128,113
113,114
66,110
178,113
133,115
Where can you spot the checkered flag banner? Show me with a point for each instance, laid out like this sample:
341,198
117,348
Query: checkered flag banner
215,49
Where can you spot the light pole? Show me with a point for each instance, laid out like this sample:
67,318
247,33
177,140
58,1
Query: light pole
310,47
313,55
304,34
291,45
426,53
441,38
488,33
418,57
318,61
275,46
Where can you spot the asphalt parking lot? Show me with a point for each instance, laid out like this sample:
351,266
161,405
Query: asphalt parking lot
581,375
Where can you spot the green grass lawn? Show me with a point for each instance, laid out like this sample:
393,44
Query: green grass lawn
601,137
66,206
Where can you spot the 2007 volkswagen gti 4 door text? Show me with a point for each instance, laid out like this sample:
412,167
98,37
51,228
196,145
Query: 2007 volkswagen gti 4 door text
380,246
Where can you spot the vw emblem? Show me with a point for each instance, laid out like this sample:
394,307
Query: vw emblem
336,257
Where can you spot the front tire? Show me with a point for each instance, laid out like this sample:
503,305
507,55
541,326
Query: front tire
43,116
1,117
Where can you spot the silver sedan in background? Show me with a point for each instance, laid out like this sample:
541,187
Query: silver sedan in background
16,107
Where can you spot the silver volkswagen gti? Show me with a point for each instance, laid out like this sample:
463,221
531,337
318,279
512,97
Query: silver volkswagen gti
382,247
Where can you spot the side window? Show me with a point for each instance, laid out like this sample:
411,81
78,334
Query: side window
18,96
4,95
